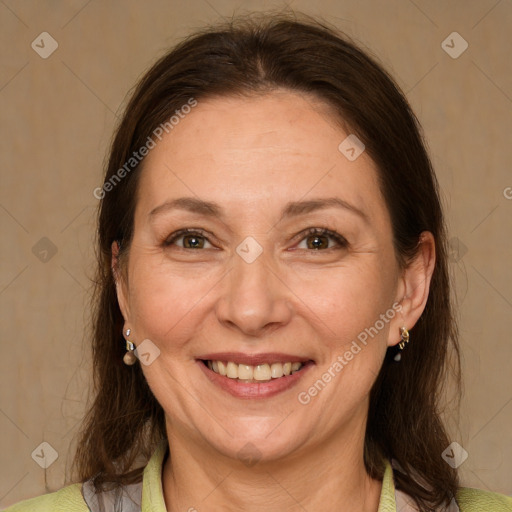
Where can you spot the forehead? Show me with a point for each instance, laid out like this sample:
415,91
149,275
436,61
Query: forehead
258,151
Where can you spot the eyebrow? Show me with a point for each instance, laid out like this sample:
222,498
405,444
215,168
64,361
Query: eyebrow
291,209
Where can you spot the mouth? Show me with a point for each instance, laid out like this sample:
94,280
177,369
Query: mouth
267,376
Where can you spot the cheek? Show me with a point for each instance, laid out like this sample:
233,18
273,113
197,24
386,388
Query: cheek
351,308
347,299
163,301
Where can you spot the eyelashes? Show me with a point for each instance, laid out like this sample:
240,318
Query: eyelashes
198,237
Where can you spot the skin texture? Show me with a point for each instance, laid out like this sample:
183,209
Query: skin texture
252,155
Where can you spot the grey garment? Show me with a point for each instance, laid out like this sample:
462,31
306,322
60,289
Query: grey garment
404,503
127,498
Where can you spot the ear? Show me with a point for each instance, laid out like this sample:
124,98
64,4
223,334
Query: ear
121,284
414,286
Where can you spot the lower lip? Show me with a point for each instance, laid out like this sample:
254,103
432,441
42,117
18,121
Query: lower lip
250,390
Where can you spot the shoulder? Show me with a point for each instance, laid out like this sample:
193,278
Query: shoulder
67,499
476,500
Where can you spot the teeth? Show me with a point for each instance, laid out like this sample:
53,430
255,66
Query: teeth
231,370
222,368
276,370
248,373
245,371
262,372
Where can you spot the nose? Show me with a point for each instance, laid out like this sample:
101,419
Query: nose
255,299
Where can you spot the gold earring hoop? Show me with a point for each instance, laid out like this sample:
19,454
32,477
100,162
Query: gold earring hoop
404,336
129,358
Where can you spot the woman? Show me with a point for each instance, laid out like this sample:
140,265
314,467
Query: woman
273,322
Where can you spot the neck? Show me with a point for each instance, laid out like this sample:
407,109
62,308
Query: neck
326,476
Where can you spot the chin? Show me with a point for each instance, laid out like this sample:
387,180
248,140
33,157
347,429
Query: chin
261,442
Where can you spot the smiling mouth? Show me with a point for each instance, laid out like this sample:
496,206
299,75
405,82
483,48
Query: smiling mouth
255,373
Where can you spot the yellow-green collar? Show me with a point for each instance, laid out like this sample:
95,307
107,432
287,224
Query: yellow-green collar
152,492
387,501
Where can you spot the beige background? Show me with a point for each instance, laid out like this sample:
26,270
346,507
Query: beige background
58,115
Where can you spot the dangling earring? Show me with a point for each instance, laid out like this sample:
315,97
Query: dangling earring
129,358
404,338
404,335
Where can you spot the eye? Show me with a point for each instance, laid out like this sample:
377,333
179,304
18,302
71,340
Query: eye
192,239
319,238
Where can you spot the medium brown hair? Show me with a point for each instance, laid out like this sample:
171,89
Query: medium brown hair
253,55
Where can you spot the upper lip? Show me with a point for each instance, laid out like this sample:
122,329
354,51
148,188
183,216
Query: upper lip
254,359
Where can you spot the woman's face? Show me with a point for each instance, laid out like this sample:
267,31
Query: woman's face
251,281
